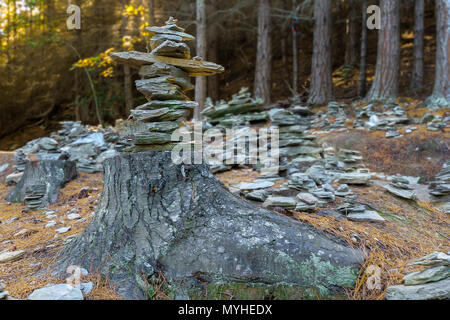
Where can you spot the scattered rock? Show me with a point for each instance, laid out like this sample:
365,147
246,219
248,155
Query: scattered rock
73,216
57,292
284,202
11,256
367,215
63,230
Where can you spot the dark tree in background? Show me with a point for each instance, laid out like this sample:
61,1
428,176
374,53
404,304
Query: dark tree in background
127,84
263,66
417,75
351,47
385,84
441,91
363,56
321,81
213,46
200,82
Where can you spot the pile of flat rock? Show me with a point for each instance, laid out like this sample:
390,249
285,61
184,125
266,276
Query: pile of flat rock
242,109
401,187
433,283
439,188
165,79
333,118
87,146
295,145
359,212
310,189
434,122
388,119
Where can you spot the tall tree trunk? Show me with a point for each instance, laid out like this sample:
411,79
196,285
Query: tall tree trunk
363,58
385,84
321,90
127,83
200,82
263,67
441,91
294,53
151,12
417,74
351,48
213,47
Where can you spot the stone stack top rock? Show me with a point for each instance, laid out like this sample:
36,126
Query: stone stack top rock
171,29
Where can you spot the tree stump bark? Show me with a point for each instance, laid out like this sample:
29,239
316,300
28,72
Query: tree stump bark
41,181
158,217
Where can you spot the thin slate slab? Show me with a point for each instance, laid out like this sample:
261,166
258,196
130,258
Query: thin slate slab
194,68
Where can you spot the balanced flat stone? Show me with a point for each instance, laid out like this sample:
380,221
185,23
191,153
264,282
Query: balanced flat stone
173,49
172,104
194,68
158,39
57,292
153,138
162,69
163,114
166,31
155,89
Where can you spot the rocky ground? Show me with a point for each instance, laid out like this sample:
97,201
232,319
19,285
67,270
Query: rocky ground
374,175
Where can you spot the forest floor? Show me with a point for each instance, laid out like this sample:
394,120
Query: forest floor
412,228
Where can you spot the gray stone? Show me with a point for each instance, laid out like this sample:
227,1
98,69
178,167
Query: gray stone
368,216
3,167
86,288
428,275
57,292
48,144
354,178
73,216
439,290
285,202
173,49
403,193
256,185
307,198
10,256
63,230
257,195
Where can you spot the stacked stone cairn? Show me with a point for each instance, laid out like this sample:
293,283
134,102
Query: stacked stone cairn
440,187
165,73
242,109
334,110
296,147
401,187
